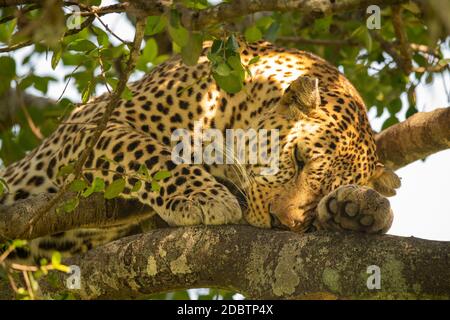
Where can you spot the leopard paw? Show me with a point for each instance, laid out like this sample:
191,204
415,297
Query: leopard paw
354,208
203,207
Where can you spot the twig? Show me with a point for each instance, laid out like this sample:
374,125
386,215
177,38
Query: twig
436,68
70,32
23,10
28,284
388,47
68,80
102,123
16,46
109,30
34,129
424,49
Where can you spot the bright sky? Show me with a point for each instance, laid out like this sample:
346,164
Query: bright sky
421,208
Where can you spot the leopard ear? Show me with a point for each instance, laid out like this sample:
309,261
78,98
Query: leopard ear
301,97
385,181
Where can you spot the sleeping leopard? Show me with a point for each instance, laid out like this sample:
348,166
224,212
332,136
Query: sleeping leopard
328,177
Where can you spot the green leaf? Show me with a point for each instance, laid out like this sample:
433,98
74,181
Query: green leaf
161,175
56,57
216,46
191,52
155,186
3,186
232,44
98,185
56,259
78,185
253,34
368,41
143,171
179,35
389,122
41,83
155,24
137,186
65,170
115,189
71,204
127,94
395,106
231,83
6,30
236,65
223,69
8,67
177,32
18,243
358,32
215,58
82,45
150,51
323,24
102,37
264,22
411,110
254,60
271,33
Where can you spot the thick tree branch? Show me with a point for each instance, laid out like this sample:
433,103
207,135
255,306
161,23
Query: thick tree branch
9,3
417,137
94,211
262,264
198,19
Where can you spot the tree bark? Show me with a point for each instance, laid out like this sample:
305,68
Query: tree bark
94,211
417,137
198,19
262,264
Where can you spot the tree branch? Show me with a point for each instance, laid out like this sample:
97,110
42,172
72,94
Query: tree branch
10,3
262,264
198,19
94,211
402,38
417,137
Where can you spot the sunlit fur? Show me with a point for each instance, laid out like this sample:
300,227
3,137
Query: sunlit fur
333,139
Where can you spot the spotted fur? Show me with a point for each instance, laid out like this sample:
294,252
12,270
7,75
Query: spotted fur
322,147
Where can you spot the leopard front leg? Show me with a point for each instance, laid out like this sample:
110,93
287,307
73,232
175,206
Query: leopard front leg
193,196
189,196
354,208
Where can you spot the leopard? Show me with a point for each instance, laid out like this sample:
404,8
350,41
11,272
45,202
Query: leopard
329,176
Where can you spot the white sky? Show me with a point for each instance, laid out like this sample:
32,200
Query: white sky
422,205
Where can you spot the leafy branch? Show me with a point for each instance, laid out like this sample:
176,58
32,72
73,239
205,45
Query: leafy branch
114,100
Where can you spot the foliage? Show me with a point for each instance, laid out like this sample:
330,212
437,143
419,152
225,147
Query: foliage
95,58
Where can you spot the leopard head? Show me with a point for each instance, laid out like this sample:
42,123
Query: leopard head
325,141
